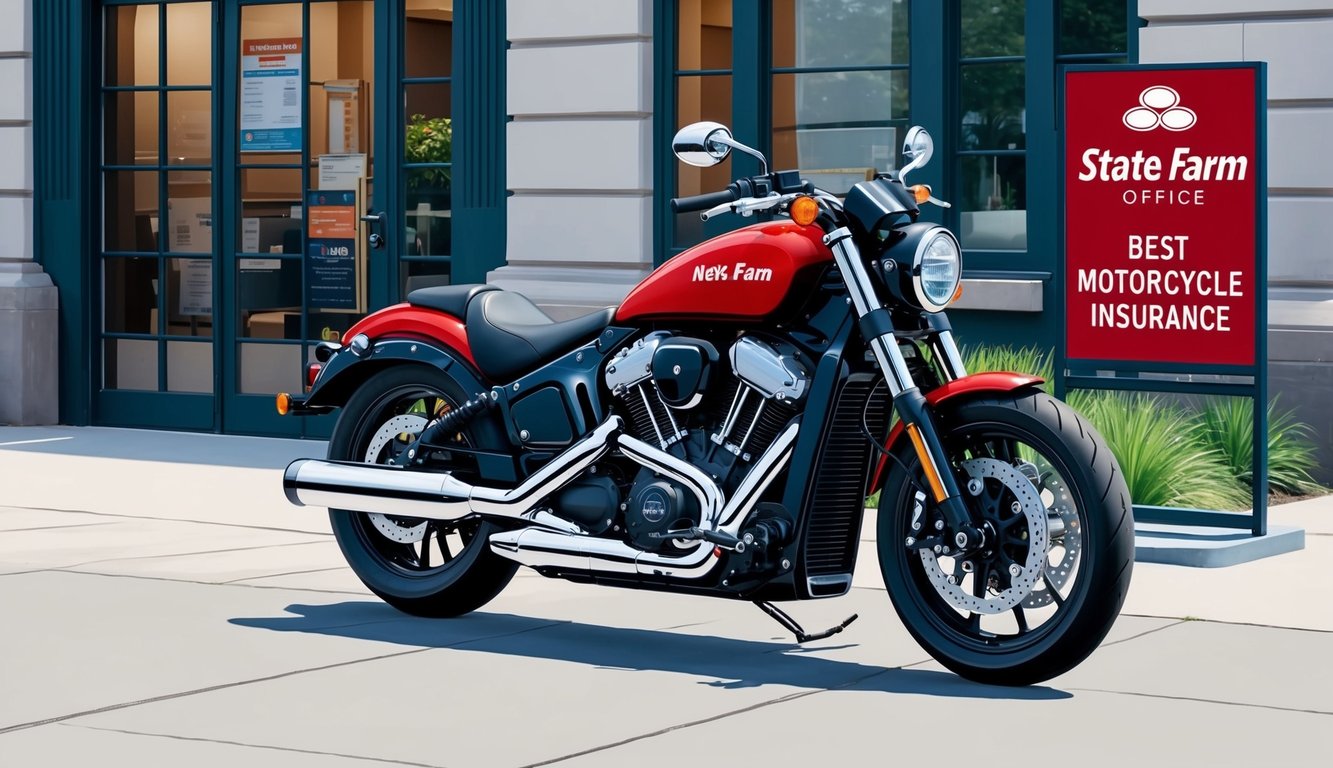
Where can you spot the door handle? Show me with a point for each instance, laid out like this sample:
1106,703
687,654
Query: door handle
375,240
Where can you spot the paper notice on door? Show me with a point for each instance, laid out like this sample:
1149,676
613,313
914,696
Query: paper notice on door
191,224
341,171
196,287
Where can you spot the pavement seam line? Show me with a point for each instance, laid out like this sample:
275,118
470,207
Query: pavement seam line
1231,623
386,760
706,720
1220,702
189,554
286,573
264,679
1144,633
166,519
192,581
53,527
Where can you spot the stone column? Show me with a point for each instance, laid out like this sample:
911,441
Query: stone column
580,89
29,385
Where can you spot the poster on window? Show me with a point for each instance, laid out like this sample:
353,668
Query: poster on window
271,95
191,223
331,259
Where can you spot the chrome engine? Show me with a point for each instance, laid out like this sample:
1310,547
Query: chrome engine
717,417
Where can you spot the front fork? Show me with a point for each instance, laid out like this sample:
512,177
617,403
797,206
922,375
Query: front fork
877,328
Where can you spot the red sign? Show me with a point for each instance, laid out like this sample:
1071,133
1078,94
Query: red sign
1161,207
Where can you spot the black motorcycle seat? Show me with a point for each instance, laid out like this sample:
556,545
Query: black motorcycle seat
452,299
509,335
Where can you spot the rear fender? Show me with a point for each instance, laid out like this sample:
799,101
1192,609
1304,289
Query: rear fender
345,371
959,390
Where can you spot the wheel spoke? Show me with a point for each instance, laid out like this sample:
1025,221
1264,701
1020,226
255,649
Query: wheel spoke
424,560
1050,588
1021,619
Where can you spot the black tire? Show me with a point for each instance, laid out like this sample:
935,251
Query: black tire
401,573
1091,586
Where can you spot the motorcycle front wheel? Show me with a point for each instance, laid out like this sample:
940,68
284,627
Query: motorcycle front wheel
429,568
1047,584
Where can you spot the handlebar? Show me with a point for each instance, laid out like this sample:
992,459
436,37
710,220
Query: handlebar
705,201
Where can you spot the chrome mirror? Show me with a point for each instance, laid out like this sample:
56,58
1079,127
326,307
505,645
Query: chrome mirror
917,148
702,144
706,144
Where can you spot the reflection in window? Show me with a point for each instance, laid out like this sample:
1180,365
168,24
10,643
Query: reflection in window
838,127
1093,26
992,125
703,44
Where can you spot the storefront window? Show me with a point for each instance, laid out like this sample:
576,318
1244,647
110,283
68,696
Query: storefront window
992,126
703,88
428,169
157,240
839,88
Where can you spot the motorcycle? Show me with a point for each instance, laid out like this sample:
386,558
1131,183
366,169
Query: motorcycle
718,433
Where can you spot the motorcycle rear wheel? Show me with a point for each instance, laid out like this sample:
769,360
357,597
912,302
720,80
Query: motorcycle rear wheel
425,568
1045,590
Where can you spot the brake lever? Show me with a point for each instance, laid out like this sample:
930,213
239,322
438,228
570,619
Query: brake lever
937,201
747,206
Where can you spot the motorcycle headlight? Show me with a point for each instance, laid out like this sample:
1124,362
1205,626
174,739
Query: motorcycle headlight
936,269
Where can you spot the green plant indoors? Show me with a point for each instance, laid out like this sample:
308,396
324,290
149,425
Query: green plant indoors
429,140
1226,426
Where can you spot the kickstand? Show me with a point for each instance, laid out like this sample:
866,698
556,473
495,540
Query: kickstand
791,626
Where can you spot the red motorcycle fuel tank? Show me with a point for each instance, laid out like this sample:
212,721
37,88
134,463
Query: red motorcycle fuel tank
743,275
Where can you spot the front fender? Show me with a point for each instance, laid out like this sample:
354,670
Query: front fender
966,388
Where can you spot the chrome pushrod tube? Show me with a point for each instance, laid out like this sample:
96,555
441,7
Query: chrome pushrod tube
386,490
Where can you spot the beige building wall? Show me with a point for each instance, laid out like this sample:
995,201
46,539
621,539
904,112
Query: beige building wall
28,381
1295,38
580,89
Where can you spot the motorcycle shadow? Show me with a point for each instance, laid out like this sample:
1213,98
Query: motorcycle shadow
733,663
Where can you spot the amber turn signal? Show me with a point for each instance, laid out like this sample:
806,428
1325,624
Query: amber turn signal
284,403
804,210
958,292
921,192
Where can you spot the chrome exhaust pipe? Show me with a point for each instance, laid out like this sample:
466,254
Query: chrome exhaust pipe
384,490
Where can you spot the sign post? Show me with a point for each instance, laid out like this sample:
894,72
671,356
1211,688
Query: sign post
1164,273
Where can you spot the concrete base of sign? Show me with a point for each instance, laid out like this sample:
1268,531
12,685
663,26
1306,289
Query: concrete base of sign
1203,547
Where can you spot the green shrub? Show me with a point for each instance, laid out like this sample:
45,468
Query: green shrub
978,358
1227,424
1160,450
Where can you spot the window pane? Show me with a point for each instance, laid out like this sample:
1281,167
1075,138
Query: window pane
429,38
833,127
131,128
270,368
1093,26
269,198
703,34
189,297
189,366
190,44
129,295
131,212
189,127
427,213
189,225
992,28
422,274
700,98
993,107
130,364
836,33
132,45
994,215
269,295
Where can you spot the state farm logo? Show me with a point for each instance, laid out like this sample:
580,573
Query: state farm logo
1159,106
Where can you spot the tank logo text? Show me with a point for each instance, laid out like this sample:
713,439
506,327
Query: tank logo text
739,272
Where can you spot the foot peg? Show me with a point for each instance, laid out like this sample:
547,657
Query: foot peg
789,624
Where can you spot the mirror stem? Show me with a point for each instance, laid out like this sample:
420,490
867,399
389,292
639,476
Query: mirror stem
736,145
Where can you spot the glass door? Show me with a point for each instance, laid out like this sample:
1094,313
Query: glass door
303,142
155,350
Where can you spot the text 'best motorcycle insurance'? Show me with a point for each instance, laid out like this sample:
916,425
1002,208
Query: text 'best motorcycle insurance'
718,433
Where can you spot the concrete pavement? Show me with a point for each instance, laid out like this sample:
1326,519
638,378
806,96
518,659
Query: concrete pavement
161,603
